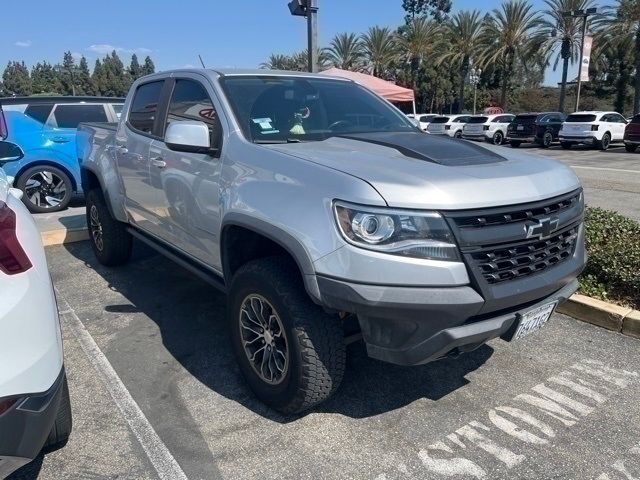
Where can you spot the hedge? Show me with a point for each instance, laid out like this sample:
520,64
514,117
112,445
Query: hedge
613,270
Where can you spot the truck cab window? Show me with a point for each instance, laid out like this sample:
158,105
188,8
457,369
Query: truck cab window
190,101
142,115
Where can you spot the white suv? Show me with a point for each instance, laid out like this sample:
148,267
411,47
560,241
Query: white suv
448,125
422,119
491,128
34,398
598,129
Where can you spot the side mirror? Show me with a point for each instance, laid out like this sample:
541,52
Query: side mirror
188,136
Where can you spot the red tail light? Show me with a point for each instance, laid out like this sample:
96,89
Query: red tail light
3,126
13,258
594,128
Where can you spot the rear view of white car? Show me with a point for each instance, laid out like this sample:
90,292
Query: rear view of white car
492,128
598,129
35,411
423,120
448,125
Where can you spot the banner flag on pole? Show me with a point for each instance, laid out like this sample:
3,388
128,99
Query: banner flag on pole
586,58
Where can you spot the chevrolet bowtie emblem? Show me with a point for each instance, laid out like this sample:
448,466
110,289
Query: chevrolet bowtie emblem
543,228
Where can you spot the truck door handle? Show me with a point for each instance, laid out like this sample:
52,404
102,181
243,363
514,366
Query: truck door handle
122,150
158,162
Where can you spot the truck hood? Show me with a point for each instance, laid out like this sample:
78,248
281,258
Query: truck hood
416,170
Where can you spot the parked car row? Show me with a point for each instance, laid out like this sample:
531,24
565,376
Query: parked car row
39,150
594,128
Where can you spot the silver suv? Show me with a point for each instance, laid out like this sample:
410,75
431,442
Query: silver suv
324,213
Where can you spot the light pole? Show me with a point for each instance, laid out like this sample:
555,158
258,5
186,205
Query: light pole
474,79
309,9
584,14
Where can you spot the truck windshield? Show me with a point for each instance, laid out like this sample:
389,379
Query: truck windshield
290,109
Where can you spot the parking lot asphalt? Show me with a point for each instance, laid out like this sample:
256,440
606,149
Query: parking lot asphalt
611,179
156,393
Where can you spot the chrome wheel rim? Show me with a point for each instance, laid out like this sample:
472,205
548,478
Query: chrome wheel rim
263,339
547,139
96,228
45,189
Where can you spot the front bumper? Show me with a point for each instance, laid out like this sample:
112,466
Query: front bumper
25,426
417,325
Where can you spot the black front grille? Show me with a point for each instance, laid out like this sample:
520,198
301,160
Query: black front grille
499,264
489,219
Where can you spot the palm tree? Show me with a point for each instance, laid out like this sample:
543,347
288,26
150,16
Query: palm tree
277,61
345,51
622,25
559,36
462,34
507,37
379,48
418,41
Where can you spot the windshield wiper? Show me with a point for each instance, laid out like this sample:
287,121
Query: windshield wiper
261,141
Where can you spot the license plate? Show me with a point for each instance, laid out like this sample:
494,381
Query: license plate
520,127
534,319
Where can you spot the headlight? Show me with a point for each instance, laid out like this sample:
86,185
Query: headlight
409,233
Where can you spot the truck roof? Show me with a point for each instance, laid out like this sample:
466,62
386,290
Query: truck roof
229,72
46,99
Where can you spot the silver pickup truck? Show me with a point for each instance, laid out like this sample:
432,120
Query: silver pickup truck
325,214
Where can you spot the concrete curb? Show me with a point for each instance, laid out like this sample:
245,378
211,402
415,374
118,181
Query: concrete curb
63,235
603,314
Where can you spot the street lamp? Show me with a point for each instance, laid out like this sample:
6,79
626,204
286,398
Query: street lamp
584,14
474,79
309,9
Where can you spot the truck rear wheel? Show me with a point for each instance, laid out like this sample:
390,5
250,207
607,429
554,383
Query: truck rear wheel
290,351
109,238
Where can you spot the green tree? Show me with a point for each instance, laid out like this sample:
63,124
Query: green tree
463,36
277,61
417,8
83,78
622,26
16,79
148,68
418,42
116,81
45,79
134,68
345,51
67,74
507,38
98,79
559,36
379,49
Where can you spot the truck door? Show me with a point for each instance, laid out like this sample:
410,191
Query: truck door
187,185
132,143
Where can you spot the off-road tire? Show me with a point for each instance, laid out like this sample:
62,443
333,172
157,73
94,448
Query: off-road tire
116,241
61,430
515,144
631,148
605,142
21,184
316,348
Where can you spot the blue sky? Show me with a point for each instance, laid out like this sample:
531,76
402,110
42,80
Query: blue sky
227,33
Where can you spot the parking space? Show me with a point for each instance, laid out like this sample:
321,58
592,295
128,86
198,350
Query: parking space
611,179
156,393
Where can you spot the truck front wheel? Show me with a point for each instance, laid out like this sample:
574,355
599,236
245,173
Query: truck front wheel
109,238
290,351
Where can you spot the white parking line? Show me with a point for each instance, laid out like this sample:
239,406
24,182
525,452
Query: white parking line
166,466
605,169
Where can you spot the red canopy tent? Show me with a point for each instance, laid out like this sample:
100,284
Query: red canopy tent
387,90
